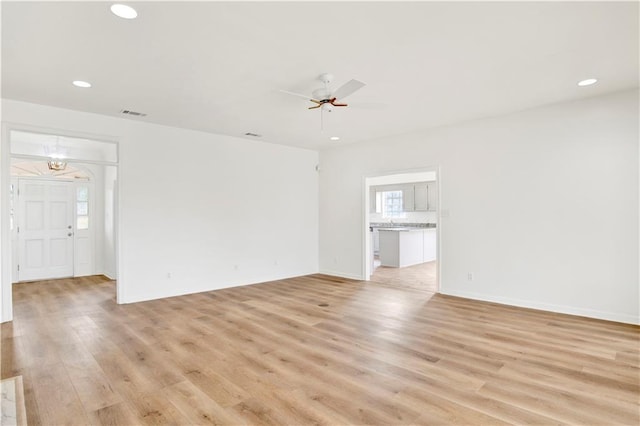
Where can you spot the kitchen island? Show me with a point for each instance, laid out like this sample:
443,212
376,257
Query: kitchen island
400,247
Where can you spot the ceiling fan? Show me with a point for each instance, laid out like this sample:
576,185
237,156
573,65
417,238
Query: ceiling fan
325,98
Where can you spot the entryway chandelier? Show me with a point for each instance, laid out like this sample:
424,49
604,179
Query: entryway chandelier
56,154
56,165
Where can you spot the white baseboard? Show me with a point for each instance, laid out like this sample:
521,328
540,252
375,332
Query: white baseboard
561,309
341,275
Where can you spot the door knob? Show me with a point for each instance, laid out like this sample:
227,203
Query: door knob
69,226
69,234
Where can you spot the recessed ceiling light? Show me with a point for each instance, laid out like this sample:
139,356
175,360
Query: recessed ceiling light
588,82
124,11
335,138
80,83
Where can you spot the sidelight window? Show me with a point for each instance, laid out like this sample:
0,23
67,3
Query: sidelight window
82,207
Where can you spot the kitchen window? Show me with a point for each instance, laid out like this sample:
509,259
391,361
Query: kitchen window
392,204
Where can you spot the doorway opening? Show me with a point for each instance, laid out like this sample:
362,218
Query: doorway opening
401,243
61,204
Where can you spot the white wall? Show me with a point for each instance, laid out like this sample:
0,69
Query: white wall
189,203
109,234
98,215
542,205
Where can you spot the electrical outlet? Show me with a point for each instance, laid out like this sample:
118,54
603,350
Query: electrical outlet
236,267
169,275
470,276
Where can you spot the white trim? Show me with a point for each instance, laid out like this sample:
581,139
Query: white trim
5,232
548,307
66,160
91,186
22,127
119,254
51,178
13,233
365,249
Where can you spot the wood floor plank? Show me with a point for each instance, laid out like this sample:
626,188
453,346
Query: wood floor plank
30,402
113,415
440,411
57,399
313,350
155,409
123,375
197,407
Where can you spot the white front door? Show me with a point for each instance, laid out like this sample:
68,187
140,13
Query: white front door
45,229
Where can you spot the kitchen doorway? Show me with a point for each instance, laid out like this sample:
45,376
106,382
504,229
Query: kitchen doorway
401,243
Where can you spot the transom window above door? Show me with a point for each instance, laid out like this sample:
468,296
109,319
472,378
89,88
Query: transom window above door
31,168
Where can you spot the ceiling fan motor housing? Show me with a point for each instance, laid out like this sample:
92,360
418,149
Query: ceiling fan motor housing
326,78
321,94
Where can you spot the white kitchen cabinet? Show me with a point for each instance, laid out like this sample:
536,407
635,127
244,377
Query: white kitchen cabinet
376,241
432,196
429,245
400,248
416,197
405,247
420,197
408,203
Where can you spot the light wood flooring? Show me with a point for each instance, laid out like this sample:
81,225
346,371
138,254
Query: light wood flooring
419,277
312,350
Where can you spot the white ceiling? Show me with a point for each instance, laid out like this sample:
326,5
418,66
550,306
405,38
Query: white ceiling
218,67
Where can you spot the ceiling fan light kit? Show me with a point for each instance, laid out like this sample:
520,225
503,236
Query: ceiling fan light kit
326,99
327,107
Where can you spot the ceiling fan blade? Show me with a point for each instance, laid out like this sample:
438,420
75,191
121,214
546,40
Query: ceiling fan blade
348,88
333,102
317,106
309,98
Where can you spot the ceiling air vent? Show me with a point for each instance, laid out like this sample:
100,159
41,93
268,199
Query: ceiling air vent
255,135
134,113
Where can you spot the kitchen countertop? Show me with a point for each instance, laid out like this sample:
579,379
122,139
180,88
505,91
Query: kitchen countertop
401,226
399,229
